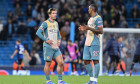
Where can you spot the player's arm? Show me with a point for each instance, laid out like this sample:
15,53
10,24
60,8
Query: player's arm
59,37
26,52
39,33
98,23
108,45
15,52
124,52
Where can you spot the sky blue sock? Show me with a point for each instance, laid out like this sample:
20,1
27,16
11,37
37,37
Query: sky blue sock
89,69
47,77
59,76
96,70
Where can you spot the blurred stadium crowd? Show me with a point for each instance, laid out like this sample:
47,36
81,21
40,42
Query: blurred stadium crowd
25,16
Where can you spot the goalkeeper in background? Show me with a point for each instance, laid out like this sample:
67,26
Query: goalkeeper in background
92,43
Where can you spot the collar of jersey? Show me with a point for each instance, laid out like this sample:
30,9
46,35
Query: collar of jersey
95,15
50,20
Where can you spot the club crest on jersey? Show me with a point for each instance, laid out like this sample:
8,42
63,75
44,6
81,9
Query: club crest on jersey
48,57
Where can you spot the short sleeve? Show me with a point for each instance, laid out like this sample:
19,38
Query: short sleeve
99,22
43,26
16,47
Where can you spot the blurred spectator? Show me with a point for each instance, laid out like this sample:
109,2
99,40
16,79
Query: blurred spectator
18,11
106,5
41,14
17,2
1,29
113,24
120,2
106,16
137,25
35,13
33,59
123,23
1,26
123,11
35,49
64,42
99,4
45,5
29,11
105,24
31,22
135,12
72,50
10,15
36,46
33,32
112,11
66,30
22,28
9,29
41,21
26,47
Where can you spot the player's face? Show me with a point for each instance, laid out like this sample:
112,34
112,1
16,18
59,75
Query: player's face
17,42
90,10
69,43
120,39
53,15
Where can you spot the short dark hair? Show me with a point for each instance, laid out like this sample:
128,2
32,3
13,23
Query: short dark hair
51,9
69,40
94,7
19,40
119,37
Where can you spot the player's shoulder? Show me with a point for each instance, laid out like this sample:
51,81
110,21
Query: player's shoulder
99,17
43,25
16,46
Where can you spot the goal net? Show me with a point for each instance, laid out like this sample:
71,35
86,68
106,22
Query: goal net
130,37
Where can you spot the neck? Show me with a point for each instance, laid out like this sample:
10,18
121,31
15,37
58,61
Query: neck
51,19
93,14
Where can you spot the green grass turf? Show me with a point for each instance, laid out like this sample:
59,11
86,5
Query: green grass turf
69,79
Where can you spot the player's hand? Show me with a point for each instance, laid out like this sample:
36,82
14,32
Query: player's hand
58,43
76,60
81,28
29,58
86,27
11,57
50,42
80,61
70,59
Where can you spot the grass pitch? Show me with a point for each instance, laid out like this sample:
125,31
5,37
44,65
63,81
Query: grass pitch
69,79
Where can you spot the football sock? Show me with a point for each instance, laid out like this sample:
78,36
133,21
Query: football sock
59,76
132,66
96,70
122,69
23,68
114,70
89,69
47,77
